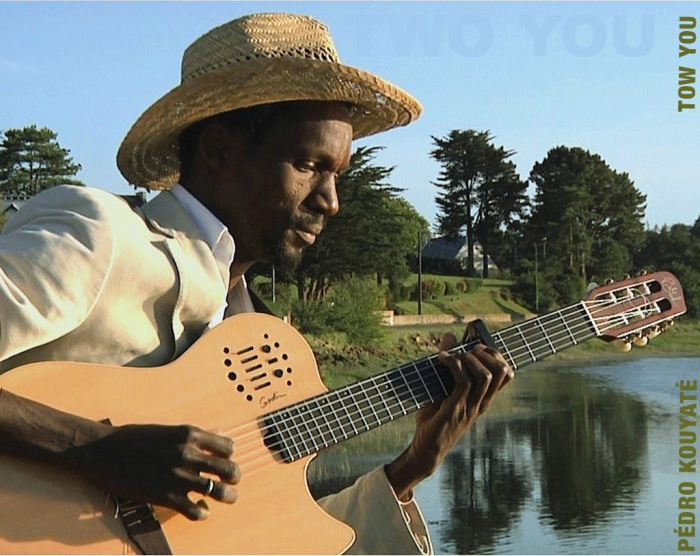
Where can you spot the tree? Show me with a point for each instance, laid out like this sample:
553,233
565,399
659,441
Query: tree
372,235
591,215
481,190
32,160
677,249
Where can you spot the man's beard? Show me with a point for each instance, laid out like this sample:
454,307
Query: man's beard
283,256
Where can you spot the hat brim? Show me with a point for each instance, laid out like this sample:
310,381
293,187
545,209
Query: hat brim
148,156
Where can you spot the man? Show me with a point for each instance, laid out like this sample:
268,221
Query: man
247,150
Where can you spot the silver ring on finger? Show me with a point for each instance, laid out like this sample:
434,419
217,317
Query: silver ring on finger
210,487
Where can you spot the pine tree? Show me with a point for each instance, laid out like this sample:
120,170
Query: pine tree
32,160
591,215
481,191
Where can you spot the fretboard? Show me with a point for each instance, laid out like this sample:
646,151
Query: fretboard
328,419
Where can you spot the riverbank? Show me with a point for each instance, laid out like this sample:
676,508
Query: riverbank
341,363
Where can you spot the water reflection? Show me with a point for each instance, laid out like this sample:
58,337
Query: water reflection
572,460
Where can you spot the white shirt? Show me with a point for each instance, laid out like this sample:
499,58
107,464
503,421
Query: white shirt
222,246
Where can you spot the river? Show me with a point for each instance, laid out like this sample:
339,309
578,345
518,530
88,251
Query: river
574,459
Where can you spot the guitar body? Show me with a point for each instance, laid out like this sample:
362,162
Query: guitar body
250,378
249,365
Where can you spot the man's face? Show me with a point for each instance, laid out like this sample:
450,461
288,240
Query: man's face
281,189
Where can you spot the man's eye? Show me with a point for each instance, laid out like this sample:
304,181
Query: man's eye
306,166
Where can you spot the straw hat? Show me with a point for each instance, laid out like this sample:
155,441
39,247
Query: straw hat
253,60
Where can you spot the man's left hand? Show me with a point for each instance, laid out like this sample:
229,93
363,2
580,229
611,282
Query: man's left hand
479,375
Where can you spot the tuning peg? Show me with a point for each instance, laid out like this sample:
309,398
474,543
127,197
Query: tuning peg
623,345
627,277
641,273
652,332
641,341
609,281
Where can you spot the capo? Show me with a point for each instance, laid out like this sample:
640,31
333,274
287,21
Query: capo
476,331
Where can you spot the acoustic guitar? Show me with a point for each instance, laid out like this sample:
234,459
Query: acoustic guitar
254,378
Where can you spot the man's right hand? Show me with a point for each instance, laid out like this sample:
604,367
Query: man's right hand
168,466
160,464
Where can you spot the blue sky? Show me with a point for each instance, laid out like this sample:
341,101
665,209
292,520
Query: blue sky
597,75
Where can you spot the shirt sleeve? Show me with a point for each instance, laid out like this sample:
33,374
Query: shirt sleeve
382,523
55,255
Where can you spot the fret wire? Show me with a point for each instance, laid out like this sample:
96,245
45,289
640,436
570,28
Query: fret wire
316,432
436,372
408,387
504,350
525,343
350,419
517,346
425,386
390,382
273,426
390,415
368,400
404,387
590,318
339,419
555,319
539,340
357,405
403,390
561,317
290,435
327,423
552,349
317,421
300,431
391,388
530,333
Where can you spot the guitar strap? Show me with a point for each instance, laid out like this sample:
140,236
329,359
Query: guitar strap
142,526
141,523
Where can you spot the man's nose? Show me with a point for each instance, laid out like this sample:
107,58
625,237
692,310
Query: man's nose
325,196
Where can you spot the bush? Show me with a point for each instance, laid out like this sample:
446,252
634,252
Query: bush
354,309
311,317
398,292
462,286
569,288
475,284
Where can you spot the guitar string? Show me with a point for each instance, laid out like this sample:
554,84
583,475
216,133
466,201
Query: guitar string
259,459
351,411
301,413
311,434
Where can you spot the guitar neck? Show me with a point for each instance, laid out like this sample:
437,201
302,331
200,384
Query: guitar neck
308,427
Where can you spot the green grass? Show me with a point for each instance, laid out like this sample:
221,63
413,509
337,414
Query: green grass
485,296
341,363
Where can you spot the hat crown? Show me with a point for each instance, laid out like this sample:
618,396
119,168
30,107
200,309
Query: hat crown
258,36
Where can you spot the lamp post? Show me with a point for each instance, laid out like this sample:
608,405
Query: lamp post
274,293
543,242
420,275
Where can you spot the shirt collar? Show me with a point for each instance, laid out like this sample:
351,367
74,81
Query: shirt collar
212,229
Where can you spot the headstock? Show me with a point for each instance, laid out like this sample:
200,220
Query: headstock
635,309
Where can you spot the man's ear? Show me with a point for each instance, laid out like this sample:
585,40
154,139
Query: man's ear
220,146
